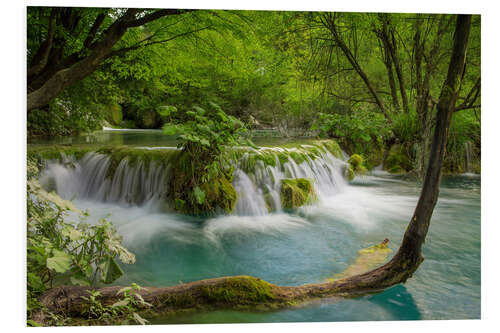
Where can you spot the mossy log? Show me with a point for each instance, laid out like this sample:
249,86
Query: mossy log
242,292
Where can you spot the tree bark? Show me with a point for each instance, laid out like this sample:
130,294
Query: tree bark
383,36
250,291
399,72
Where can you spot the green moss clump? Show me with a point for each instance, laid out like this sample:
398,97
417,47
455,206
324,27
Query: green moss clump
296,192
298,156
349,173
282,157
56,152
220,193
239,290
191,194
356,165
333,147
397,161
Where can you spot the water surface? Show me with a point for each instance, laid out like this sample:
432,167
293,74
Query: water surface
309,246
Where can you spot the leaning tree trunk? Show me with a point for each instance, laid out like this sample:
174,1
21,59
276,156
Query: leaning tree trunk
249,291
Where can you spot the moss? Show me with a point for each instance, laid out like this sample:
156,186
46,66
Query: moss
282,157
249,160
333,147
296,192
268,158
356,165
374,156
114,113
298,156
239,290
56,152
397,160
349,173
219,194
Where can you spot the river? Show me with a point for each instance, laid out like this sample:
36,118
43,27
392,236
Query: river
304,246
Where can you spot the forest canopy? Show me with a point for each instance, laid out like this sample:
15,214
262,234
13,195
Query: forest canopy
357,77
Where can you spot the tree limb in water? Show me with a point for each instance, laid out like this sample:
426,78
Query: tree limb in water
246,291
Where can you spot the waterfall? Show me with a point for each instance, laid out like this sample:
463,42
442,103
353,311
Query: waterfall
137,182
468,156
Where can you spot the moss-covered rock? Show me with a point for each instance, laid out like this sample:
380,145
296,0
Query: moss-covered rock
356,166
349,173
333,147
194,194
397,160
296,192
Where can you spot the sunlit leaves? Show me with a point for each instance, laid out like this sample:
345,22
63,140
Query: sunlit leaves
60,261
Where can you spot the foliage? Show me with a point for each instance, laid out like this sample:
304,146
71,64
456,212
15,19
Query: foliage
124,311
296,192
60,252
359,128
356,162
406,127
203,171
464,138
280,70
397,160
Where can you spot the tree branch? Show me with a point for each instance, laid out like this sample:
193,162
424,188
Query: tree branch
93,31
156,15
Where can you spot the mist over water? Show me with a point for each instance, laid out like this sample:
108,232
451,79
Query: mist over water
307,245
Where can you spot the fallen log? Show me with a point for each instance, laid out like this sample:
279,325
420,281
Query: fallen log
234,291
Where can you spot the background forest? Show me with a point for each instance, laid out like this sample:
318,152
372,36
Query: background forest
369,80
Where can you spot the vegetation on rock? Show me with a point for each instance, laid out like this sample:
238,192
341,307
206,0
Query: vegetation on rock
397,160
296,192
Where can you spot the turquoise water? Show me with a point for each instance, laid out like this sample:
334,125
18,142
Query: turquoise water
311,245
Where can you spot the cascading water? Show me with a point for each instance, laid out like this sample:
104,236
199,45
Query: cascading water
468,156
307,245
142,183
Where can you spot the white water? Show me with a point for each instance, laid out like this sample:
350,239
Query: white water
145,186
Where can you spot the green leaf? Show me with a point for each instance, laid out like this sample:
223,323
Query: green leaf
123,302
199,110
79,280
365,137
60,262
139,319
199,195
35,282
110,271
171,129
166,110
124,289
33,323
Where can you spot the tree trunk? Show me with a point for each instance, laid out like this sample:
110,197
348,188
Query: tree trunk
399,72
248,291
331,25
390,75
